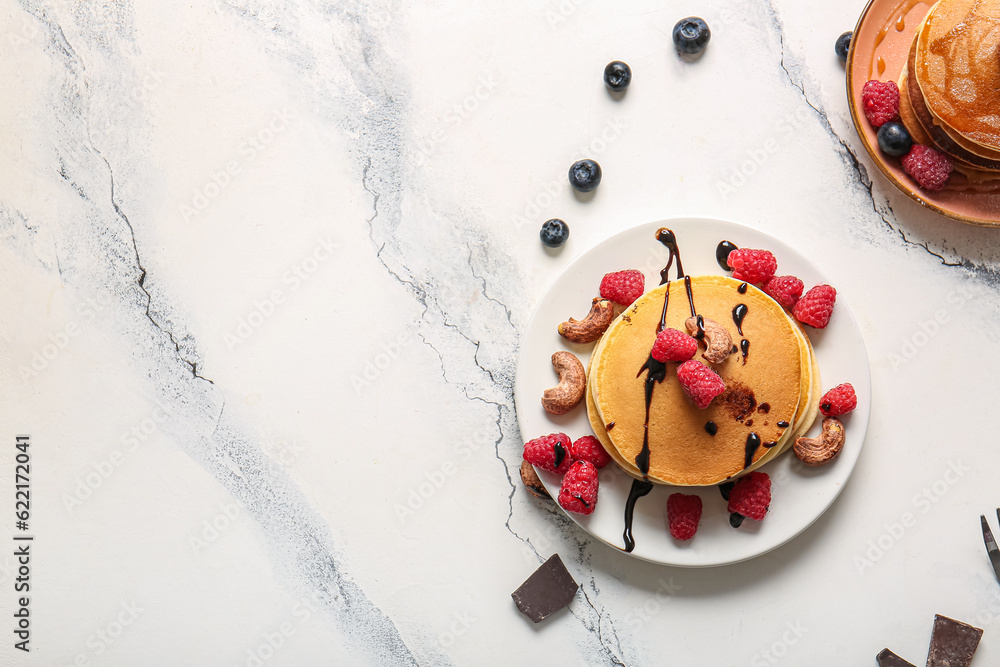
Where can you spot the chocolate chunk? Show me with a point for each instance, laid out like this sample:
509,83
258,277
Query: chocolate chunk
952,643
887,658
532,483
545,592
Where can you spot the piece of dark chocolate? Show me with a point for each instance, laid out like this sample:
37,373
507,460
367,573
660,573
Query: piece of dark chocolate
953,643
546,591
532,483
887,658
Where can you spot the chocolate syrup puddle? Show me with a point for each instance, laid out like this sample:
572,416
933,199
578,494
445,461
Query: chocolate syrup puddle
725,488
711,427
769,444
722,254
736,519
753,443
783,424
764,408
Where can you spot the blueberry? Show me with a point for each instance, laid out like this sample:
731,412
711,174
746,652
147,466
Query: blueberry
691,35
843,45
554,233
617,76
894,140
585,175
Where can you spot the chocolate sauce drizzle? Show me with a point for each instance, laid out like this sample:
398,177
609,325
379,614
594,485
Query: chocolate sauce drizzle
656,372
722,254
742,289
560,453
711,427
739,312
638,490
753,443
745,349
783,424
610,426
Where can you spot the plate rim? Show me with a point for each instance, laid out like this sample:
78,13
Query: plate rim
839,488
875,155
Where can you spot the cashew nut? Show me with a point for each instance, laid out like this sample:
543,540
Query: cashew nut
817,451
718,342
531,482
592,327
572,384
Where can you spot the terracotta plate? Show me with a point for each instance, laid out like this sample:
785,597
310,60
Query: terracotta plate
879,50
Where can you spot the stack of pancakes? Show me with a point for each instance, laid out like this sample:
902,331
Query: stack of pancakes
950,88
774,394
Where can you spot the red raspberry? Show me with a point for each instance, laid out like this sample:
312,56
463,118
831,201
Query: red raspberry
589,448
880,100
751,496
816,306
752,266
838,401
551,452
700,382
786,290
578,492
623,287
683,515
674,345
928,167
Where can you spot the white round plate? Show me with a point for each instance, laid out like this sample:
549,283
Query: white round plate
799,495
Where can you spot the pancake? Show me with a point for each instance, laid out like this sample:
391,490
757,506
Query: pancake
922,118
779,372
957,58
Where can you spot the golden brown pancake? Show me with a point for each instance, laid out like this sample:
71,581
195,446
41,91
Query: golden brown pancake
774,385
945,141
957,60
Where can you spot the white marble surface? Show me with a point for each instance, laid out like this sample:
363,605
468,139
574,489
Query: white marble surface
265,266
